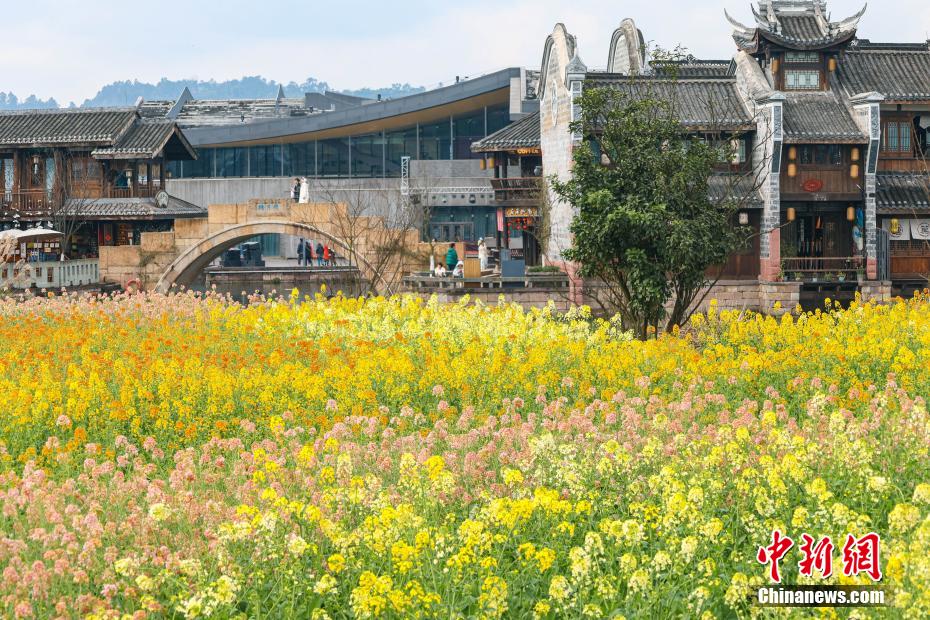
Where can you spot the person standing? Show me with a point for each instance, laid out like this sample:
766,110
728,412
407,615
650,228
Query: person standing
452,257
301,252
304,195
319,254
295,190
483,254
327,256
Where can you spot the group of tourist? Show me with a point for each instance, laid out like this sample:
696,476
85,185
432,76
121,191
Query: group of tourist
322,253
455,267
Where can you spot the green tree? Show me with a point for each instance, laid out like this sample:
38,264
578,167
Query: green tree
646,230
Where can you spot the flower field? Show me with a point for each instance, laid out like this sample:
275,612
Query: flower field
184,457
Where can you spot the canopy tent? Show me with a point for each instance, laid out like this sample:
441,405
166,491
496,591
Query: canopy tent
32,234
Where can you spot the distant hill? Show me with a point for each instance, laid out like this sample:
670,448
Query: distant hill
125,93
9,101
250,87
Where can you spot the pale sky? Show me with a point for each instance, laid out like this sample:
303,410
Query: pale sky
68,50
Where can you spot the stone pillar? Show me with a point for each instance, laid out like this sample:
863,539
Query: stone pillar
867,114
772,133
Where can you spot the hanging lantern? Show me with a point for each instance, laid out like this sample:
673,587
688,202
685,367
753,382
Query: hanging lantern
482,164
792,153
855,153
895,226
854,171
792,170
775,64
831,64
491,162
851,213
792,214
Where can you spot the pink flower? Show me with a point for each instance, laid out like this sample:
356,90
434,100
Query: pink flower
63,421
331,405
438,390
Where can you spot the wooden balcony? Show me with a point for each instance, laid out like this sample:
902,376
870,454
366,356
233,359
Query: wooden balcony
821,185
822,269
40,203
517,191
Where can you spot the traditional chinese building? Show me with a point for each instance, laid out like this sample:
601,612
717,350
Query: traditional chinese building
100,173
831,132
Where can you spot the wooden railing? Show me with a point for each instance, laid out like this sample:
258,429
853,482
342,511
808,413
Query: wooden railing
40,202
822,269
517,190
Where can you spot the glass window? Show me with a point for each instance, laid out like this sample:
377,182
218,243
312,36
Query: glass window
399,144
368,155
836,155
300,159
265,161
802,80
175,169
498,117
232,162
795,58
202,167
334,157
468,129
807,154
435,140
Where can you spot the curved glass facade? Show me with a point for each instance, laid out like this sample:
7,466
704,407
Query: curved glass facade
369,155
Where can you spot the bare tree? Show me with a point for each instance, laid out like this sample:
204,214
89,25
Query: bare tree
73,194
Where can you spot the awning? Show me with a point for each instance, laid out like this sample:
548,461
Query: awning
32,234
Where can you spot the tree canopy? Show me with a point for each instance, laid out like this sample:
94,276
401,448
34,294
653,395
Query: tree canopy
646,230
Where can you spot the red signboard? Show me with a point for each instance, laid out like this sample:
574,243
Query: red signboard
813,185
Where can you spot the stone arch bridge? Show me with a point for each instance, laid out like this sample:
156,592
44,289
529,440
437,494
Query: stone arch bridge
165,259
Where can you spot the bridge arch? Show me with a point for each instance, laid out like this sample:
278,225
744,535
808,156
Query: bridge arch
191,261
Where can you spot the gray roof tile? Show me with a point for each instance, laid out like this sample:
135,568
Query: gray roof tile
706,103
135,208
64,127
902,193
522,134
819,117
900,72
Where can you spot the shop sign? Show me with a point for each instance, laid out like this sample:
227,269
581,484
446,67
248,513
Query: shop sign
920,230
268,207
529,151
522,212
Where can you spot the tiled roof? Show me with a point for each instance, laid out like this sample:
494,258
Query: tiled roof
902,193
819,117
741,188
145,139
709,103
522,134
793,24
64,127
135,208
695,68
899,72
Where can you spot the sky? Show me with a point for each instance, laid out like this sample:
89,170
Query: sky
69,49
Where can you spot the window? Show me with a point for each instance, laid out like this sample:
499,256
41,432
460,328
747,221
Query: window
300,159
468,129
897,137
265,161
436,140
400,144
232,162
800,58
802,80
334,157
368,156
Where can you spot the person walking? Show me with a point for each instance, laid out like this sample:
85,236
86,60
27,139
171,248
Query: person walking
452,257
301,252
327,256
319,254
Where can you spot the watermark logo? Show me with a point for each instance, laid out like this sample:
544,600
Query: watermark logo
859,556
